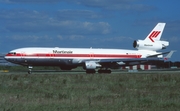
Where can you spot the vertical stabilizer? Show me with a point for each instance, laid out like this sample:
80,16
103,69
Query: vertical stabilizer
152,42
155,34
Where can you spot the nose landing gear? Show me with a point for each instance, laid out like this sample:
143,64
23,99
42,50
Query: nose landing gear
30,69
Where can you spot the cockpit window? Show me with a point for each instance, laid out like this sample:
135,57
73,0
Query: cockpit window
14,53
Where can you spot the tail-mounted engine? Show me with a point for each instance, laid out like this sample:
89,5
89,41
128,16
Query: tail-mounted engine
154,46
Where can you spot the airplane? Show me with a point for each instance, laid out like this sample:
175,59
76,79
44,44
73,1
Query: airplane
93,58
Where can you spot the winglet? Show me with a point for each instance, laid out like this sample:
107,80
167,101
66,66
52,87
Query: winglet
169,55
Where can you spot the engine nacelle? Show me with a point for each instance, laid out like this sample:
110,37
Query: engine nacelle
153,46
91,65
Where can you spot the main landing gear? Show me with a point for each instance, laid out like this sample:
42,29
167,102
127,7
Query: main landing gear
104,71
30,69
90,71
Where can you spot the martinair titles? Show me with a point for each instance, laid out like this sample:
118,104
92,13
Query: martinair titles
62,52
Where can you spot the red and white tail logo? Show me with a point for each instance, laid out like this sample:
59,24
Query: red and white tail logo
153,35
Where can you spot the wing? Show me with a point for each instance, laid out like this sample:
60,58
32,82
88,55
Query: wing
151,60
127,62
169,54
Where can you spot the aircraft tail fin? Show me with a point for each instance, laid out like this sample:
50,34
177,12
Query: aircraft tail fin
152,42
155,34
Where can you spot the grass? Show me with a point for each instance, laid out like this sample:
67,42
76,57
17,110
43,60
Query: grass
45,92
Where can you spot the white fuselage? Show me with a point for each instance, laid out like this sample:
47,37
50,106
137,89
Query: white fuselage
57,56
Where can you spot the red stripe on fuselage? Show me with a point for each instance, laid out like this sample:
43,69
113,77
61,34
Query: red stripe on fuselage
76,55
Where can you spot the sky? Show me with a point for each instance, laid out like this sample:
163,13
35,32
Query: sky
86,23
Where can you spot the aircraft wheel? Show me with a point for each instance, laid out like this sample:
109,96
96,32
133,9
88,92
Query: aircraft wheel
104,71
30,69
91,71
100,71
29,72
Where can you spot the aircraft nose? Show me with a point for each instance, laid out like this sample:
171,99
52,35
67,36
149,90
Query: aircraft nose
5,57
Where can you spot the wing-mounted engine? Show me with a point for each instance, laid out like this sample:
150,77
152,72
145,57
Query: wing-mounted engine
91,65
153,46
